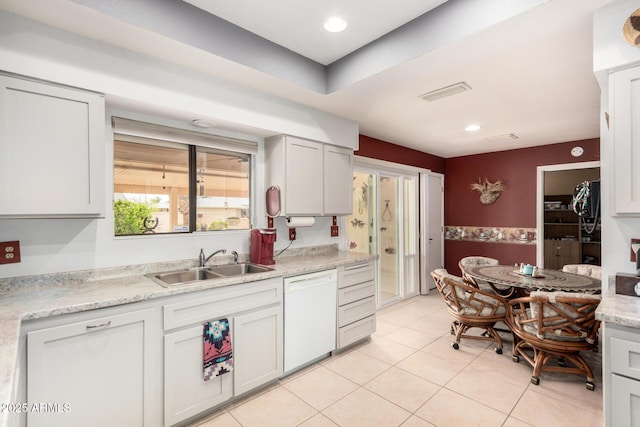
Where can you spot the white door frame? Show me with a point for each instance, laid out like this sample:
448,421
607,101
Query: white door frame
540,200
365,164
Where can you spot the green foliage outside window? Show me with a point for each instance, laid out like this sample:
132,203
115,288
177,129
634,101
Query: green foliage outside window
129,216
218,225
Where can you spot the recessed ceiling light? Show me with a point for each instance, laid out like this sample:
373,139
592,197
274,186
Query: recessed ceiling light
203,123
335,24
472,128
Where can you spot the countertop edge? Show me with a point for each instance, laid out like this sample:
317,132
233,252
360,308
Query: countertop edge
619,309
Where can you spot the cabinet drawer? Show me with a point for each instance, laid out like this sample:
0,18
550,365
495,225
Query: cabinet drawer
221,302
356,331
355,293
354,274
356,310
625,357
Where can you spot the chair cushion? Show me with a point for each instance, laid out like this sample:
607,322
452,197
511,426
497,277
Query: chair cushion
477,261
594,271
475,301
549,312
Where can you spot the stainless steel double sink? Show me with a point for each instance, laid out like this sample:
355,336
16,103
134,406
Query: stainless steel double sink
189,276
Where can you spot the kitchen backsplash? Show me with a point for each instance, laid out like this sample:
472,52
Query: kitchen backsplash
512,235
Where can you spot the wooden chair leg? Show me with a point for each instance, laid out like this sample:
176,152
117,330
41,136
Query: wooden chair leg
491,331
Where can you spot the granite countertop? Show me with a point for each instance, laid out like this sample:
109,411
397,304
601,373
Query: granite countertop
619,309
36,297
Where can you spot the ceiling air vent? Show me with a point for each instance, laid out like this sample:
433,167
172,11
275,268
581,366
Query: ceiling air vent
507,137
445,91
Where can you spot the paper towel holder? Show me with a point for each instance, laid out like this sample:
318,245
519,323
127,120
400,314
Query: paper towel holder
300,221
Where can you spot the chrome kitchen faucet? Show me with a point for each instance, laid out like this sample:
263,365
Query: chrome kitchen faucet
204,260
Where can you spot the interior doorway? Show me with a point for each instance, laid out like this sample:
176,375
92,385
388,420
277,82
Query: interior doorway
563,236
385,223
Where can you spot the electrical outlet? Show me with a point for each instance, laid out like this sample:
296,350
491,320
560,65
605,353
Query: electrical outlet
334,231
9,252
633,254
292,234
269,222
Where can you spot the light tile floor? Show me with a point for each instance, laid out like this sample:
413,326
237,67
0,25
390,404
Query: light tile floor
409,375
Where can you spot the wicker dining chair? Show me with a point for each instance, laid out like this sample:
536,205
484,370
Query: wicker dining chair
554,325
469,262
471,308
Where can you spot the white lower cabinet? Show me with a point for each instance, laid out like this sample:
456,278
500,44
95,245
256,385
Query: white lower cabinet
258,345
142,364
94,372
625,401
186,393
356,303
254,311
621,375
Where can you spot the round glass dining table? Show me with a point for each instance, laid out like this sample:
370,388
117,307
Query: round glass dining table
545,280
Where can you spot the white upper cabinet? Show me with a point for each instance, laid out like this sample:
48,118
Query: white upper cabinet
51,150
338,180
314,178
625,130
303,180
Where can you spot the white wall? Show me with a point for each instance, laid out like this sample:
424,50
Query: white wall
168,93
611,52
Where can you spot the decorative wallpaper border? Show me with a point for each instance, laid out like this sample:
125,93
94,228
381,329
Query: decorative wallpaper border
511,235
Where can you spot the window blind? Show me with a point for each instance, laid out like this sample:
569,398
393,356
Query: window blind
135,131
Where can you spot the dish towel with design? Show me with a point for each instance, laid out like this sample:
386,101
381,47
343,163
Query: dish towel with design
218,356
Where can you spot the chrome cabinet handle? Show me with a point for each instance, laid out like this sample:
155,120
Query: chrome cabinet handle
99,326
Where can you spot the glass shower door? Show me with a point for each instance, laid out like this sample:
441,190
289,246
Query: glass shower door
384,223
361,225
390,229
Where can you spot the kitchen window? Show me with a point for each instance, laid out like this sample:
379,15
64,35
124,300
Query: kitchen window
170,180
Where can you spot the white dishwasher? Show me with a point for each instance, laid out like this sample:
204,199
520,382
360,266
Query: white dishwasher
309,317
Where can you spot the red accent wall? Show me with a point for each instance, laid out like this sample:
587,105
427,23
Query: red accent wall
516,206
455,250
382,150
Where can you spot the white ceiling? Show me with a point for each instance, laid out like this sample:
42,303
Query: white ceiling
531,74
281,20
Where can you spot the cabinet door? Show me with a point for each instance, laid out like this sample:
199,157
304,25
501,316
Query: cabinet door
185,392
625,111
304,184
338,181
94,372
625,401
51,150
561,252
257,348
